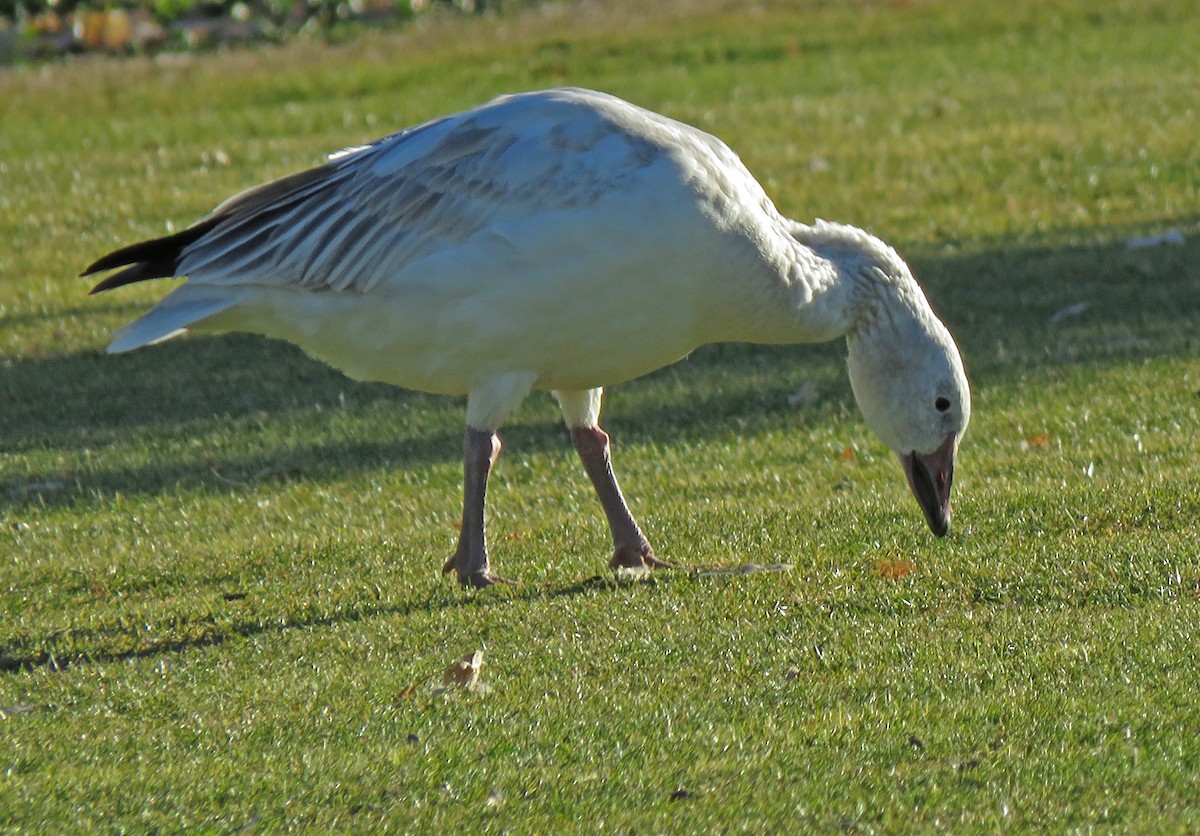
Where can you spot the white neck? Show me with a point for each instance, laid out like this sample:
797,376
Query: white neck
818,283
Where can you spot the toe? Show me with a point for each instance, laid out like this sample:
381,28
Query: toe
636,557
482,579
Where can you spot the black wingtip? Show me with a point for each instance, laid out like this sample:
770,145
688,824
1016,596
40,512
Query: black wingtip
113,259
136,273
139,272
157,258
143,251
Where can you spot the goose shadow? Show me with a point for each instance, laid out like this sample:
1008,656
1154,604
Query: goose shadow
1012,308
74,403
1015,307
25,653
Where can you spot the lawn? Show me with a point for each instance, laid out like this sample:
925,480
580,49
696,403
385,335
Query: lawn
221,604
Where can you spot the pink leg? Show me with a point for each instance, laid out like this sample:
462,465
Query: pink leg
631,549
470,559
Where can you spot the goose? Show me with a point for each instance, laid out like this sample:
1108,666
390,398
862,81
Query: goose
562,240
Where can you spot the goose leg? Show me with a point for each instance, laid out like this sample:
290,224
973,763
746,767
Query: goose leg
631,549
470,559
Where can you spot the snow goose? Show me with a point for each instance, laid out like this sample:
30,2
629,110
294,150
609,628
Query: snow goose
561,240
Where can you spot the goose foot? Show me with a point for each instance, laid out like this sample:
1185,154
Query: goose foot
482,580
637,558
473,573
473,570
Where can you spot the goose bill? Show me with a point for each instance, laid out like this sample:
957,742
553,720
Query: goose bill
930,476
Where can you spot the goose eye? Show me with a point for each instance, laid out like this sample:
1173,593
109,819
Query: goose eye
942,404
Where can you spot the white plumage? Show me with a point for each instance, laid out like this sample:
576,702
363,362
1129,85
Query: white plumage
562,240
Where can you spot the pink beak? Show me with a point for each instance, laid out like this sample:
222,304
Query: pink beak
930,476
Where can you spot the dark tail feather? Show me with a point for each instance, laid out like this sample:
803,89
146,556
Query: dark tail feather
154,259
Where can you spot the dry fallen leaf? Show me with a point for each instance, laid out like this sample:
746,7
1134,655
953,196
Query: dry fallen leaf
848,454
1039,441
894,570
465,672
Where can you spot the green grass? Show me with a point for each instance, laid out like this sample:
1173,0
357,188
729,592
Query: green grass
219,561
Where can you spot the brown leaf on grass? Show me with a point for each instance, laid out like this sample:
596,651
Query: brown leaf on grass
894,570
848,454
465,672
1040,441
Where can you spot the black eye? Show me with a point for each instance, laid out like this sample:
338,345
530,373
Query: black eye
942,404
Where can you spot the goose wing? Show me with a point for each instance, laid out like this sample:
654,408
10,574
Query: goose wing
357,221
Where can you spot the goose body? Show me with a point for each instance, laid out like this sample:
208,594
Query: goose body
563,240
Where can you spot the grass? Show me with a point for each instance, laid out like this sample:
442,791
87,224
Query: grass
219,560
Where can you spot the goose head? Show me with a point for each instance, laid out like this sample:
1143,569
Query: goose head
909,382
905,370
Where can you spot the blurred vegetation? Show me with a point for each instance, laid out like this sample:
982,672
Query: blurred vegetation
40,29
278,10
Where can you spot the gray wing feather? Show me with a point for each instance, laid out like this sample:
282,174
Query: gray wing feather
366,212
370,211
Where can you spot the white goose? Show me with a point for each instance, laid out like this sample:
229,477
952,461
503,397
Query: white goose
562,240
